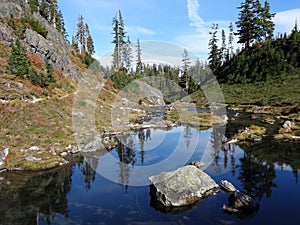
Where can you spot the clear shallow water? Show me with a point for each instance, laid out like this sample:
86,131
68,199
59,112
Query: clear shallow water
98,189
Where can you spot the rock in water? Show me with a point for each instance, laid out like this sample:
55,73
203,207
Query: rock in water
182,187
227,186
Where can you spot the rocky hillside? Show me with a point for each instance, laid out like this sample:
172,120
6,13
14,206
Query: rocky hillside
35,106
51,48
45,86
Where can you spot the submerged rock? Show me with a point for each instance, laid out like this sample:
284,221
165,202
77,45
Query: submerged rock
239,203
182,187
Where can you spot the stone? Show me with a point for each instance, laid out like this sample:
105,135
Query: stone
34,148
78,114
182,187
227,186
240,203
287,124
95,145
198,164
63,154
32,158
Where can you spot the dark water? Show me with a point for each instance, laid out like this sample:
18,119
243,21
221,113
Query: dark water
103,188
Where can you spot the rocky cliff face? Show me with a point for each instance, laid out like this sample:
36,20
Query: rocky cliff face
14,8
53,49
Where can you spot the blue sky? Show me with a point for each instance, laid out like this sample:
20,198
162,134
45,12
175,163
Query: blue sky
184,23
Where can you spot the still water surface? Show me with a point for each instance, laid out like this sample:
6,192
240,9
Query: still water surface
99,189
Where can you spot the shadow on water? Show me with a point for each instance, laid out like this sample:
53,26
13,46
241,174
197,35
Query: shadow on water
25,197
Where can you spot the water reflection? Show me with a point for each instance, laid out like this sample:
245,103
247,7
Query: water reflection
77,191
40,198
257,176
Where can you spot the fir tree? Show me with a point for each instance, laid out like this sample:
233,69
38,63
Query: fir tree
185,79
119,40
34,5
80,35
139,64
214,54
90,49
230,40
245,24
223,50
127,54
18,63
267,25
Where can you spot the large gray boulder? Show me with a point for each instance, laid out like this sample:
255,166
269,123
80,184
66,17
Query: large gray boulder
182,187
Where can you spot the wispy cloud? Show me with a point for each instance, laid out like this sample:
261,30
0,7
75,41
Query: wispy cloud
197,41
196,20
138,30
285,20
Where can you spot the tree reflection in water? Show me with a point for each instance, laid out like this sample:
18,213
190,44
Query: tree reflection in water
256,176
257,167
40,197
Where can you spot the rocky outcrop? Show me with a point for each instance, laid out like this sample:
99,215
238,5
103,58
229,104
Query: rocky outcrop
6,34
54,49
182,187
14,8
50,52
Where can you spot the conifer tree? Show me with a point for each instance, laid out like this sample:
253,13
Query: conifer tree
139,64
18,63
185,79
127,54
80,35
230,40
119,40
245,24
34,5
214,54
267,25
223,50
90,49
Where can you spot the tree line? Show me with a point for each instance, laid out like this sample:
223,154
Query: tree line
50,11
263,57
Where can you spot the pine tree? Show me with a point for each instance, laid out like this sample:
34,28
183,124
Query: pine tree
90,49
186,61
214,54
60,24
34,5
267,24
127,54
116,55
43,9
119,40
80,35
245,24
18,63
139,64
223,50
230,40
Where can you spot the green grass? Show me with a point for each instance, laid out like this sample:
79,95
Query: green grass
284,92
276,93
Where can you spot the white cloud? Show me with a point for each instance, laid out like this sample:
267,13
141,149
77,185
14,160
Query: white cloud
197,41
196,20
137,30
285,20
